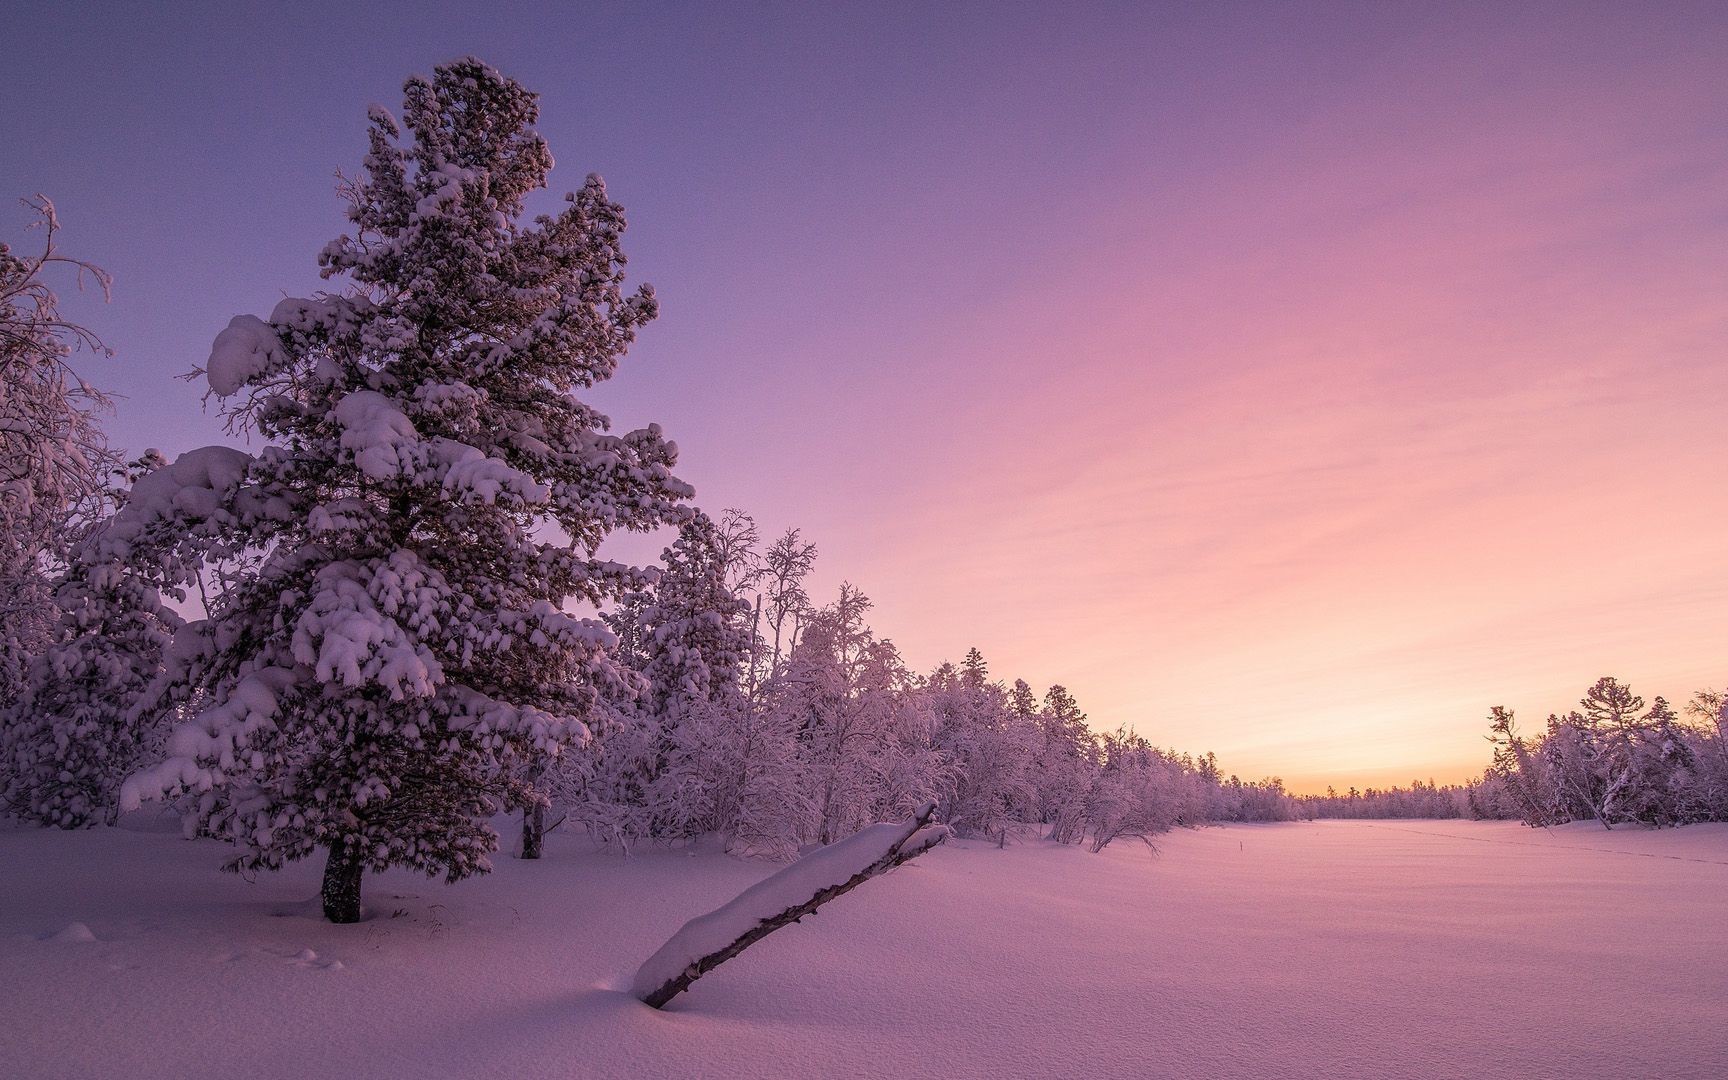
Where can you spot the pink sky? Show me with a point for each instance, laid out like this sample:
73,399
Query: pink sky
1293,384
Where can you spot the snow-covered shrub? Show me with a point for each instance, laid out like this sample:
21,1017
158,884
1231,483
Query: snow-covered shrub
839,738
82,724
740,765
1141,791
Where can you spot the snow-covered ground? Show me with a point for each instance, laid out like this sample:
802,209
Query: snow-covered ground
1385,949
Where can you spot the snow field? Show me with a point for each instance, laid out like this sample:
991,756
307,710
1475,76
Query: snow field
1384,949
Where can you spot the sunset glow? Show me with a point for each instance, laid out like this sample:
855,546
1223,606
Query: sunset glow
1191,534
1290,384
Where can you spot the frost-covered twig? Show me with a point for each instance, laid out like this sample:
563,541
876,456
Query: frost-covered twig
710,940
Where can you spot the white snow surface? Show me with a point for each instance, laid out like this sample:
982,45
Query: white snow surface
825,868
1339,949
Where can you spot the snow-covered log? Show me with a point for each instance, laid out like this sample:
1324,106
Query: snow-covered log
708,941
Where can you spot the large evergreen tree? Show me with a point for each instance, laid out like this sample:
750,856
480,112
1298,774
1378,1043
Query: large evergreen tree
697,641
432,495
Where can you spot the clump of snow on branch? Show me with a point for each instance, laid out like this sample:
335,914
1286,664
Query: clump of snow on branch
243,352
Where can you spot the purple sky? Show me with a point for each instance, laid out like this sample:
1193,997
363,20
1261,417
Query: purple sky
1293,381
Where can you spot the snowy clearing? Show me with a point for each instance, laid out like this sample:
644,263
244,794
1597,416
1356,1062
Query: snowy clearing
1388,949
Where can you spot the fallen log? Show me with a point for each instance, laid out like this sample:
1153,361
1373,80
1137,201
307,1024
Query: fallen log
780,899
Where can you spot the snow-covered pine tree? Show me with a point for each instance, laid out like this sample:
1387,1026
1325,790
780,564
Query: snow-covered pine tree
994,752
75,733
375,685
1518,772
664,755
1067,765
1608,730
697,639
1662,766
974,671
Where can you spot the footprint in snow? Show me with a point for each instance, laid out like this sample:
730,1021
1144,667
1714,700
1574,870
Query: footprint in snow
306,958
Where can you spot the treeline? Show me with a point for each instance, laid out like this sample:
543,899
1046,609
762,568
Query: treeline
1611,760
1419,800
777,723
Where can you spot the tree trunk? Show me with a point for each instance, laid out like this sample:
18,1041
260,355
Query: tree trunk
534,831
341,891
755,647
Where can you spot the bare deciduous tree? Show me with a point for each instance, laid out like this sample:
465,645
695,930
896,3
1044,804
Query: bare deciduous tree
55,465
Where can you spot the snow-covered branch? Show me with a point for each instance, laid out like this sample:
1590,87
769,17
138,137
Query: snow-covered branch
706,942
